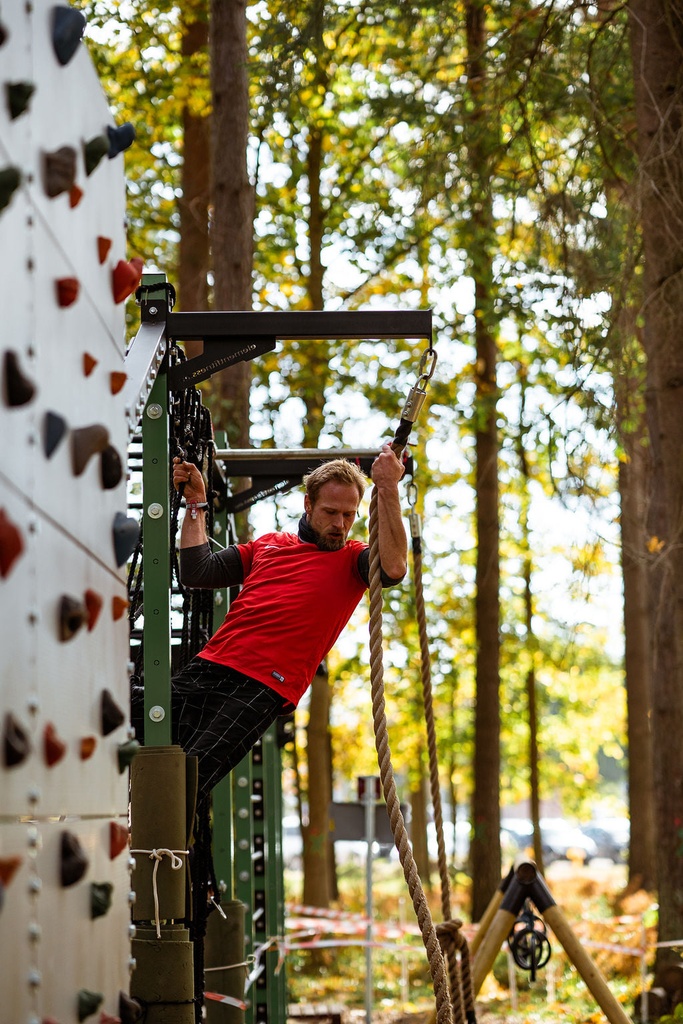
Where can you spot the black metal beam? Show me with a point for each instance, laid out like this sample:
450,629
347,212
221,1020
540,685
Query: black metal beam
319,324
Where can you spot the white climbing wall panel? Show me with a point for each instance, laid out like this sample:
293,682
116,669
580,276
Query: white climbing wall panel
64,705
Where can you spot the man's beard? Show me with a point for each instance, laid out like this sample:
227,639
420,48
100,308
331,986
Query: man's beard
327,543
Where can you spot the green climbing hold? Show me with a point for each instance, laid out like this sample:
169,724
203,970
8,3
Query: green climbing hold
127,752
88,1003
10,180
100,898
95,149
18,97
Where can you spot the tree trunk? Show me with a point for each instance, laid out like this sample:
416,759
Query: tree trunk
316,834
418,824
193,204
486,857
657,43
232,230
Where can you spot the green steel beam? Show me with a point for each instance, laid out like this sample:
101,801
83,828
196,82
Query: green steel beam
156,563
275,884
241,777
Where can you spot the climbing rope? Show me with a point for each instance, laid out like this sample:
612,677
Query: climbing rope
450,935
424,918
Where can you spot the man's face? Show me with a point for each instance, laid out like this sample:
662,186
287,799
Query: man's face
333,514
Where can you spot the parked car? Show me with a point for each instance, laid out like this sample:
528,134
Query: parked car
611,837
563,841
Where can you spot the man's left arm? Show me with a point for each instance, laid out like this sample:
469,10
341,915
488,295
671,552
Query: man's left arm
393,544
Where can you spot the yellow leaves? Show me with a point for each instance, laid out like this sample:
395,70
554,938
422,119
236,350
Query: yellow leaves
655,545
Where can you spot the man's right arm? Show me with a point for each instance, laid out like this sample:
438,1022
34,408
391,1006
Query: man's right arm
200,567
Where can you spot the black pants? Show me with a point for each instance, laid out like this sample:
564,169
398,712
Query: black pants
217,715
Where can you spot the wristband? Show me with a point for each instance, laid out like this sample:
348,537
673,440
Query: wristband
194,505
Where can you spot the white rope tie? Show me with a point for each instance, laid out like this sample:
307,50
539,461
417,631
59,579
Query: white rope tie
176,865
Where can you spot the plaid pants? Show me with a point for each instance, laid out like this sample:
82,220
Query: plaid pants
218,714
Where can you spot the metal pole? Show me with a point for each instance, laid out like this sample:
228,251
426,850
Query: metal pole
285,454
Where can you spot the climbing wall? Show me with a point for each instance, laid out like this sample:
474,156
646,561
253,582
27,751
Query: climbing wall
65,878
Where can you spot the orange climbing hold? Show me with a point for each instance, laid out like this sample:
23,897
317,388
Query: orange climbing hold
89,364
103,247
8,868
87,747
126,277
119,607
11,544
117,378
75,196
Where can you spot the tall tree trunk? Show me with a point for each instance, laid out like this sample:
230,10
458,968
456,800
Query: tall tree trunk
193,204
316,835
418,822
232,230
633,487
486,856
657,43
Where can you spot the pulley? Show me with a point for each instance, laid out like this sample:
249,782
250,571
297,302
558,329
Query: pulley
528,941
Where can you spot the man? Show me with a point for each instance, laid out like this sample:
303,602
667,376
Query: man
298,593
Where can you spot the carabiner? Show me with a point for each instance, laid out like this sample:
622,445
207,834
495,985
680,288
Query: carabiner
423,373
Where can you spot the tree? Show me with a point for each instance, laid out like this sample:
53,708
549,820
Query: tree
657,39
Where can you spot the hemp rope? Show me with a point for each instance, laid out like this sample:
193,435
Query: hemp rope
398,827
176,865
452,939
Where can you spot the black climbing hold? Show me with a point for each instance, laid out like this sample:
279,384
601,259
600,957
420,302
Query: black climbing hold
94,150
130,1010
59,171
86,442
74,861
54,429
126,532
4,34
120,138
10,180
88,1003
68,27
111,467
19,389
72,615
16,742
100,898
18,97
111,716
126,753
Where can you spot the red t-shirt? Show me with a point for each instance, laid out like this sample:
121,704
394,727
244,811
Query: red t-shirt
294,602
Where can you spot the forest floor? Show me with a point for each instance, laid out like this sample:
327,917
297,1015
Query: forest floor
608,920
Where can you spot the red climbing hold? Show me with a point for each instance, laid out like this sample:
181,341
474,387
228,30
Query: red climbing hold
117,378
67,291
8,868
89,364
54,748
11,543
103,247
126,278
87,747
93,604
118,838
119,607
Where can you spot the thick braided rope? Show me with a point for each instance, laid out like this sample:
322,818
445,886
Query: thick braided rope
398,827
453,940
426,672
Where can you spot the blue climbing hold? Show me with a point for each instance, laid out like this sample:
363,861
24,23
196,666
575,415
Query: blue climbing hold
120,138
68,26
126,532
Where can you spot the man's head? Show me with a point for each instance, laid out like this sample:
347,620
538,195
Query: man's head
333,494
